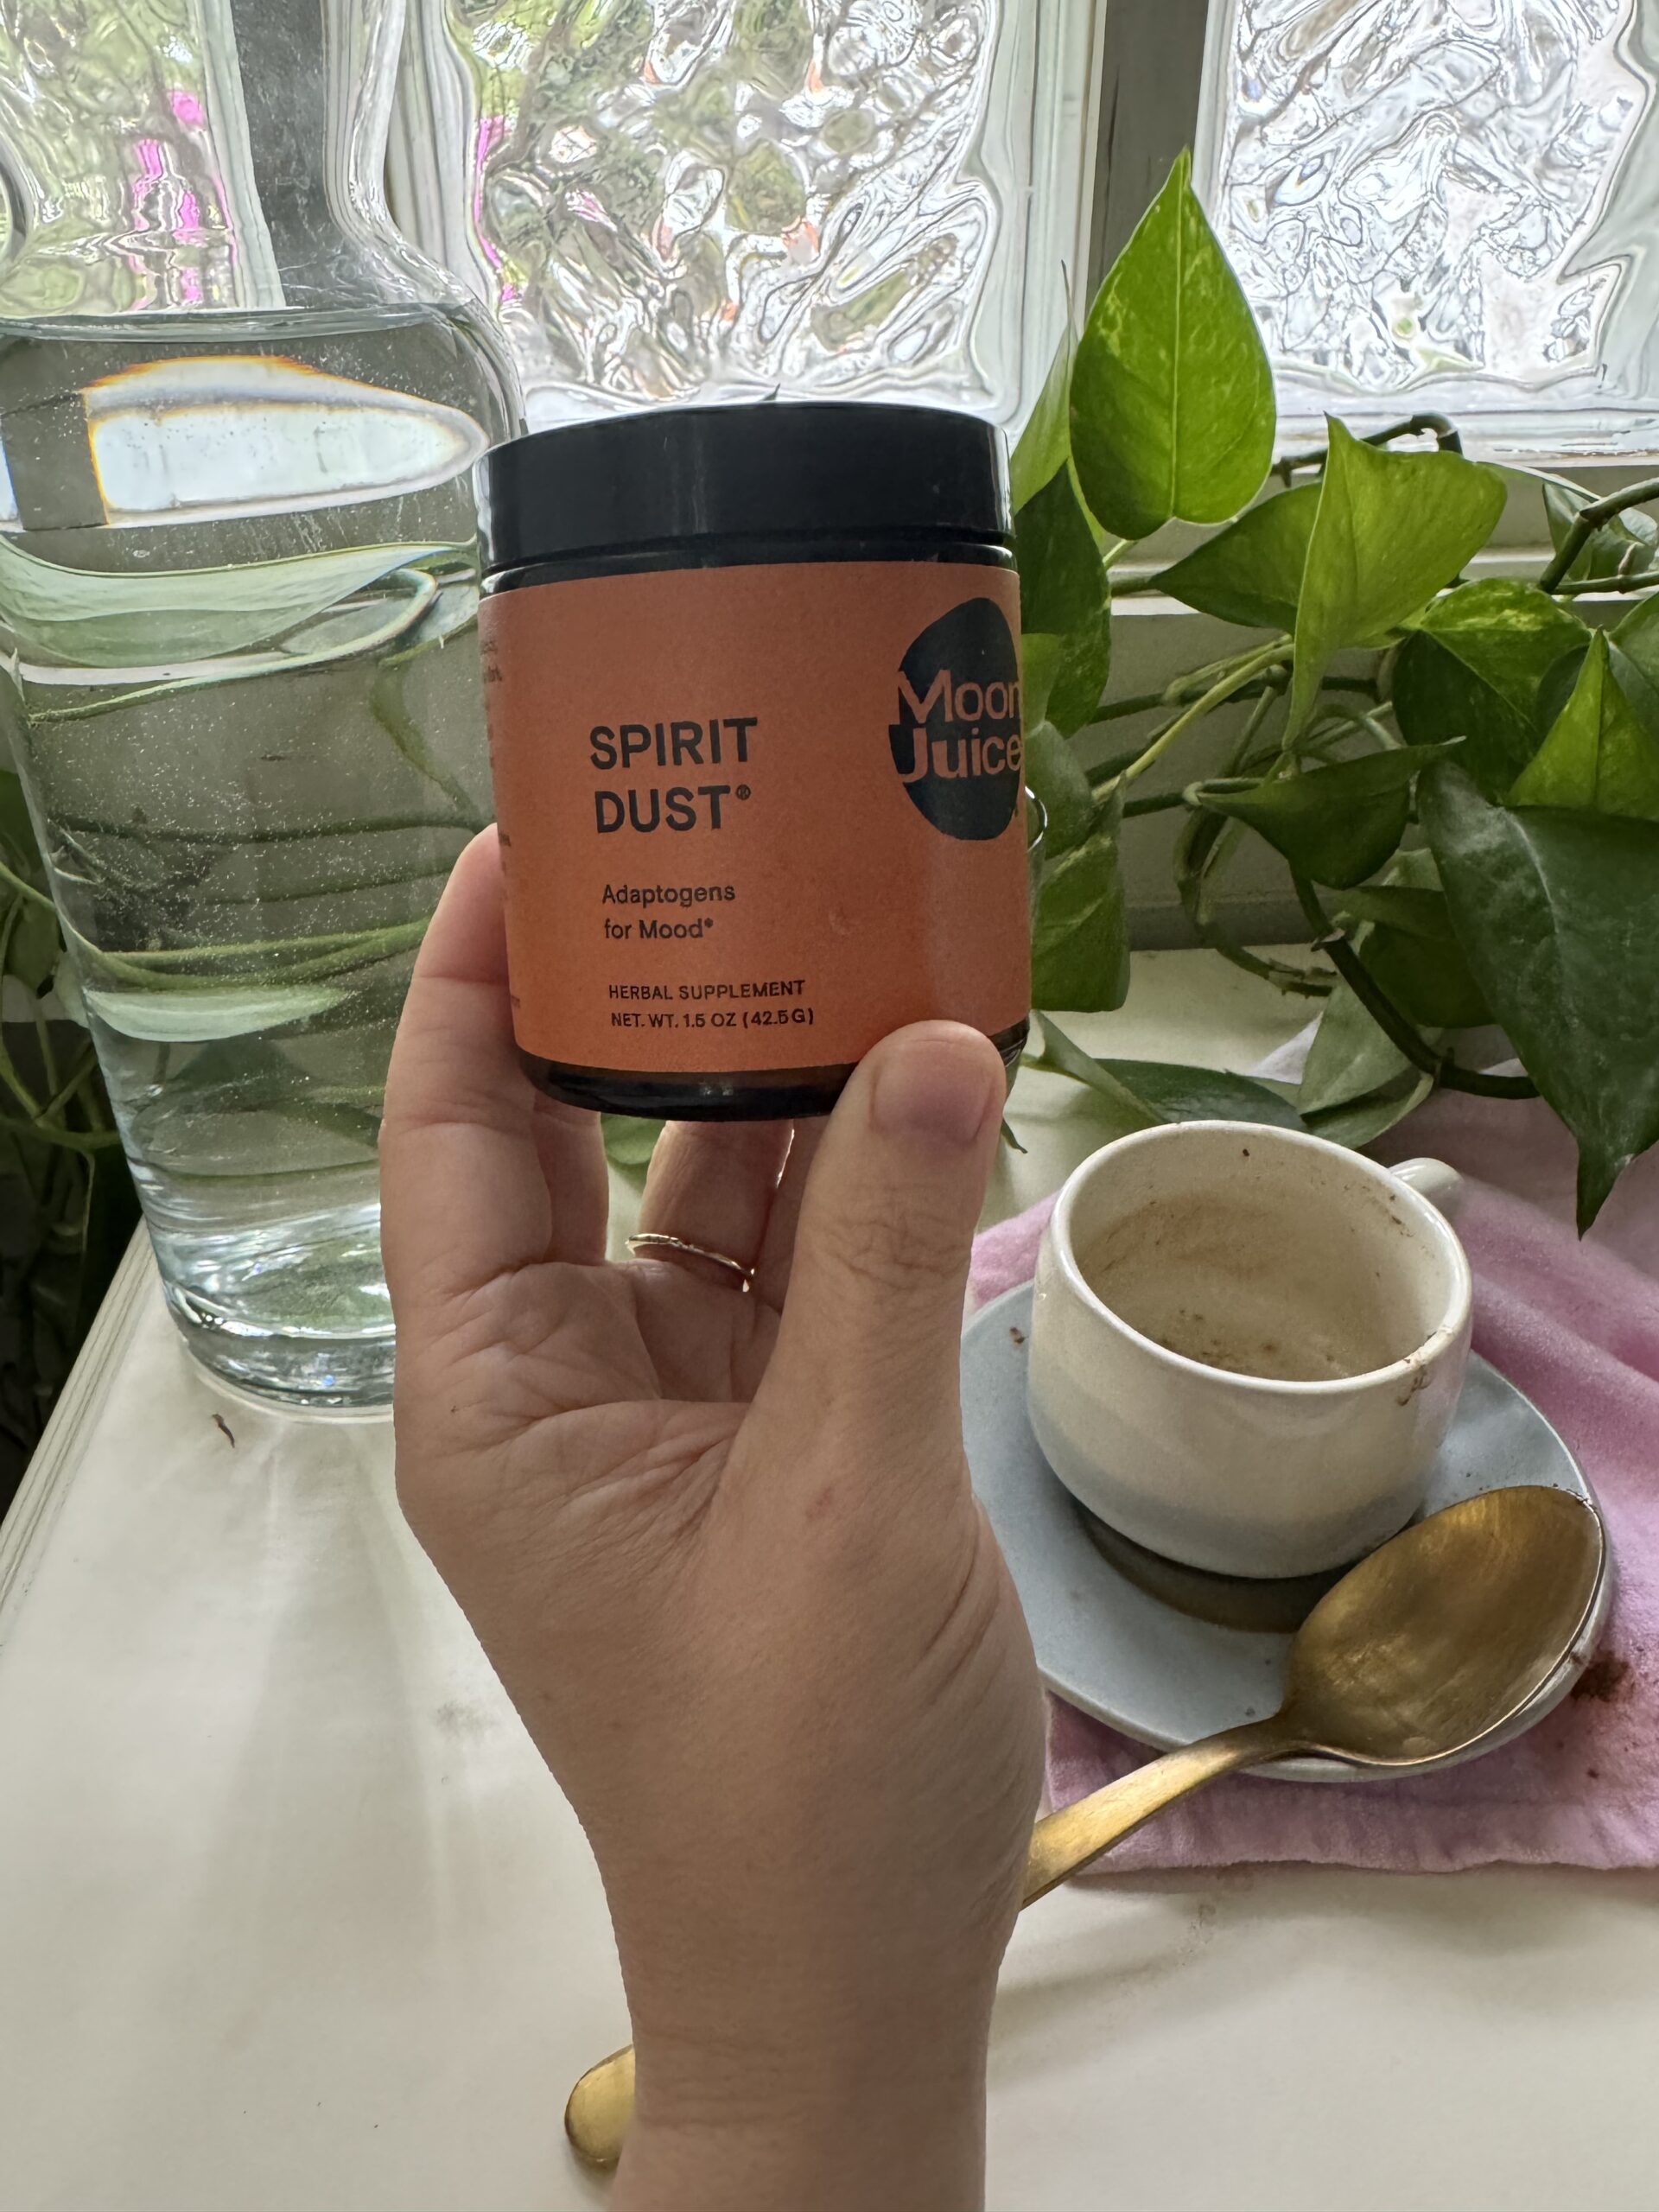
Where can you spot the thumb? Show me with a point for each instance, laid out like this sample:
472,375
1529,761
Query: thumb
871,1324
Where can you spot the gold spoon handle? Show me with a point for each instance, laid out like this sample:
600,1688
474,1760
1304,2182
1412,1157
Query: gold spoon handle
1064,1843
601,2104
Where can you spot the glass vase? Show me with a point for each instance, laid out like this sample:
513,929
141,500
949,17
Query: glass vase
239,585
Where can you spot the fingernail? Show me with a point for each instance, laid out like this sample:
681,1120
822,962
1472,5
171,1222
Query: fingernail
938,1084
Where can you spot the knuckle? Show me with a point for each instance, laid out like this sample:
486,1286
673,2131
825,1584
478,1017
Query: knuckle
898,1253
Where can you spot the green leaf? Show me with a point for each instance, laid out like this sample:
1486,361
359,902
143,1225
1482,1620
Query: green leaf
1412,949
1184,1093
1633,656
1349,1059
1362,1121
1638,634
1056,775
1172,394
1062,582
36,946
1641,692
1407,942
1561,681
1506,632
1039,665
1080,678
192,1017
414,734
357,1126
242,1074
1080,940
1392,530
629,1143
1630,541
148,619
1598,755
1079,932
1427,979
1558,913
1419,913
1474,667
1252,572
17,844
1047,438
1334,825
1064,678
67,984
1119,1106
1142,1094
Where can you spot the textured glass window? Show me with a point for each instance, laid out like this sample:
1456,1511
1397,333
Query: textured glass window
106,114
1447,204
665,198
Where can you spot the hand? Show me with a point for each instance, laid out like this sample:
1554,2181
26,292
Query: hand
722,1551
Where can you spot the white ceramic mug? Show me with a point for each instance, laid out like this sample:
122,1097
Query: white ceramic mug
1247,1344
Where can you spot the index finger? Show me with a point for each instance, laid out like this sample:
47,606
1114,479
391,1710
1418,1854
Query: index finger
479,1175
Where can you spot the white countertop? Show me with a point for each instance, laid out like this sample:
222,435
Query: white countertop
293,1920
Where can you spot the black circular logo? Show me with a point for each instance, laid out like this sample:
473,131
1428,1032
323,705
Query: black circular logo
956,743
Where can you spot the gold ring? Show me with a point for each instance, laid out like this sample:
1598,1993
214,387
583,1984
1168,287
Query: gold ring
651,1243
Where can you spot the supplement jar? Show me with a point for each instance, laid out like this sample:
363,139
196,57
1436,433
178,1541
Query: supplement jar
753,685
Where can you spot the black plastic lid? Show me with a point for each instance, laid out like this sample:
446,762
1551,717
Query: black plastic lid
775,470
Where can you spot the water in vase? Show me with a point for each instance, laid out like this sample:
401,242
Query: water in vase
238,584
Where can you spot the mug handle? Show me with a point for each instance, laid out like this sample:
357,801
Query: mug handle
1432,1180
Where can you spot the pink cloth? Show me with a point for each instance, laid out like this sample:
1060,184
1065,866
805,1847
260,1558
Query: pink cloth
1576,1325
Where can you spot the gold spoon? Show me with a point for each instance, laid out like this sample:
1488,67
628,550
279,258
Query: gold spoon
1422,1651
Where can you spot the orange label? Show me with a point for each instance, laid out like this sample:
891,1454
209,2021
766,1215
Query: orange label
760,817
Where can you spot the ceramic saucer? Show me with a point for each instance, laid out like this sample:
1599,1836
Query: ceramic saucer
1167,1654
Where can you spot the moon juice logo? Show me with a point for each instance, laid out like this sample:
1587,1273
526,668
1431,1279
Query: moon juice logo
956,743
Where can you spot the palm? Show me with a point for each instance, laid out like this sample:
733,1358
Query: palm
617,1365
534,1341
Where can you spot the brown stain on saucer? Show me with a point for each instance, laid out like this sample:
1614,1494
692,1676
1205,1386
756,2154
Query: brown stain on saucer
1602,1681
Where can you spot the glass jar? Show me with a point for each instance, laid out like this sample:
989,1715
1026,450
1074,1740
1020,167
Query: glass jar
238,588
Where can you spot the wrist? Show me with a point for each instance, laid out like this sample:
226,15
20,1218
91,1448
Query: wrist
873,2132
792,2075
